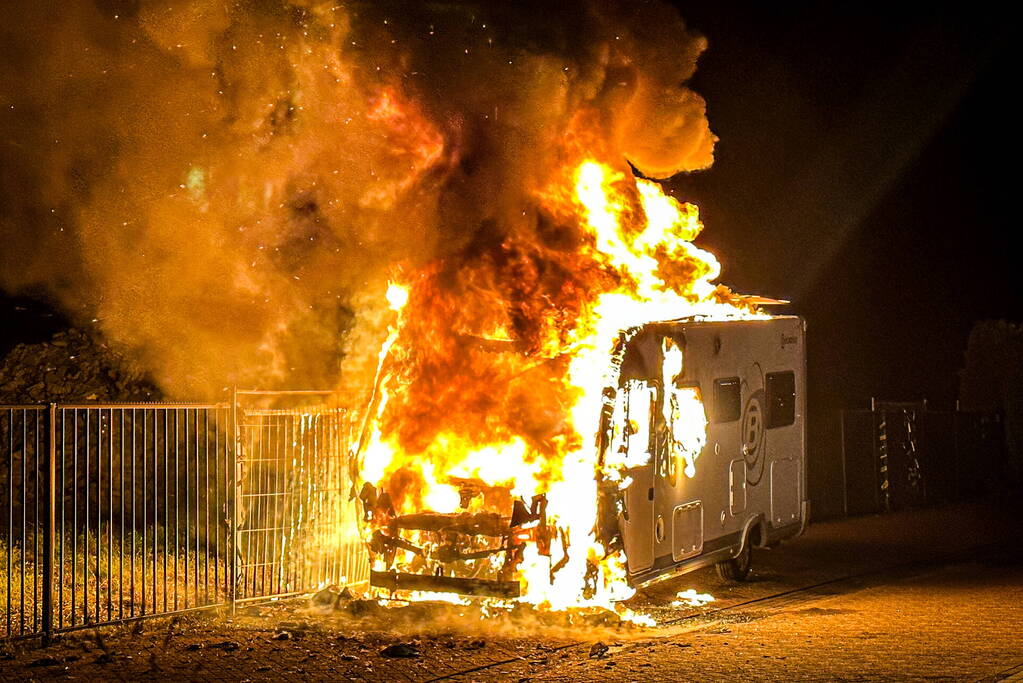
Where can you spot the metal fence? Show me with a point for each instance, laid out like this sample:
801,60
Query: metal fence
24,434
115,512
900,454
297,524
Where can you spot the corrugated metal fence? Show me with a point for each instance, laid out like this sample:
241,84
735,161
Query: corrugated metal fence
114,512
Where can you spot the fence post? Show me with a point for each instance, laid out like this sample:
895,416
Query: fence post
51,523
876,455
233,493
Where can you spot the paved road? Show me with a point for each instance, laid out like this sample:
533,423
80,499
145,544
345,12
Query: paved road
924,595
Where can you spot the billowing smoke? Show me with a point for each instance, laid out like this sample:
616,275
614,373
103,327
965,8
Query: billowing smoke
227,186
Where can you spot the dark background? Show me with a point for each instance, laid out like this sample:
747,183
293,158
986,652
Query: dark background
864,172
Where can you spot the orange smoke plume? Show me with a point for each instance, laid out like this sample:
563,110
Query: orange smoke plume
228,189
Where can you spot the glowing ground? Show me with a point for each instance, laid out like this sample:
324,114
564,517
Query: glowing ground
921,594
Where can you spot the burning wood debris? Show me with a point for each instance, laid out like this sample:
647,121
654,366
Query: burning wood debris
447,211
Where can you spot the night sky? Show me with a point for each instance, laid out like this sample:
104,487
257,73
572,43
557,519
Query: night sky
861,173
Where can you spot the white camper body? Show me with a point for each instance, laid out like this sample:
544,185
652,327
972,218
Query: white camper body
747,485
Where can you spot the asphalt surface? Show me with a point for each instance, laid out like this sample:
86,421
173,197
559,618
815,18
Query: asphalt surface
921,595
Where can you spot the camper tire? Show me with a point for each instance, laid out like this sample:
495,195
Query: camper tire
737,568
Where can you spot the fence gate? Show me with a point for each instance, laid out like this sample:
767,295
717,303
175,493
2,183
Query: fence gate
115,512
297,524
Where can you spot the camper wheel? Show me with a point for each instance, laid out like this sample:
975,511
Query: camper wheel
737,568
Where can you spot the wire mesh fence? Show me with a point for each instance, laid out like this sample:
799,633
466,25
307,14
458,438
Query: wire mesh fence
297,524
115,512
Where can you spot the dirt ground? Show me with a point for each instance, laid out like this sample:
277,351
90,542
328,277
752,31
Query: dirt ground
926,594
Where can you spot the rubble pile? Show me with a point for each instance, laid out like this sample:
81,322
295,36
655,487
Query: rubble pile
73,366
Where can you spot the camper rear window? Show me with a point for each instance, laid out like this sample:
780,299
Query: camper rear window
781,399
727,406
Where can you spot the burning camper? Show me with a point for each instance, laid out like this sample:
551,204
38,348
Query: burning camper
532,434
448,215
706,488
702,446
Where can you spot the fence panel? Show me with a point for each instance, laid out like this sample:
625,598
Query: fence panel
23,463
141,523
298,522
899,455
115,512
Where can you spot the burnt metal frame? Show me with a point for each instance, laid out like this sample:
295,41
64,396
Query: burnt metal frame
211,436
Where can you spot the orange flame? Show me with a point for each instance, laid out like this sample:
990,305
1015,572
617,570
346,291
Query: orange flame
638,265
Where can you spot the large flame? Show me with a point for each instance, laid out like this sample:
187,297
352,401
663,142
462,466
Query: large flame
640,242
298,154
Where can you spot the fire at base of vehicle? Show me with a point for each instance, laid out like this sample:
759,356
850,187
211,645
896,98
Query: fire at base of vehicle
697,413
472,553
496,441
